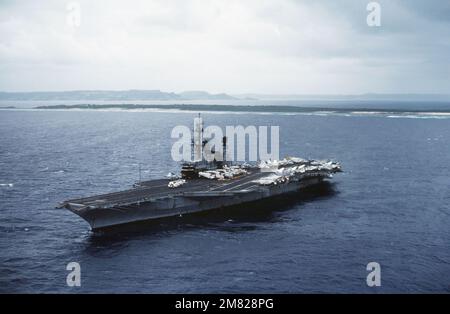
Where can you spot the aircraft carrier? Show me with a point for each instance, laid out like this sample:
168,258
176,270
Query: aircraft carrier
167,197
201,186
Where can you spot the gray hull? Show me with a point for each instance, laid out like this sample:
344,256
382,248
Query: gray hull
185,202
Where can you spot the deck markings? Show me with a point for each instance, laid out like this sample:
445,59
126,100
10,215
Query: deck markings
146,192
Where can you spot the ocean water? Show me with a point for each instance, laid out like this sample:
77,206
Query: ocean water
391,205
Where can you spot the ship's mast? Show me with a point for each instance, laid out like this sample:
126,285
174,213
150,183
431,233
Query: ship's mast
198,139
224,149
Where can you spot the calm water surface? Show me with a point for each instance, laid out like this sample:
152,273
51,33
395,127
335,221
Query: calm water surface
391,205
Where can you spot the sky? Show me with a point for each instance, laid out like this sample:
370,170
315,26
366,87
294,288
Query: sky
232,46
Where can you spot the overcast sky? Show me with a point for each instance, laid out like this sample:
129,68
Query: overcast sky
245,46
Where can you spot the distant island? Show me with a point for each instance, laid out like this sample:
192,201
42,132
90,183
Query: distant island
235,108
157,95
107,95
7,107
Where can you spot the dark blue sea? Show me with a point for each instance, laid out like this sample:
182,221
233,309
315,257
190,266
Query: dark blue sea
391,205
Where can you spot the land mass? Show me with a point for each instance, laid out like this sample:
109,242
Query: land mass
157,95
107,95
239,108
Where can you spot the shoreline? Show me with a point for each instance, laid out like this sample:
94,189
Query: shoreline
244,108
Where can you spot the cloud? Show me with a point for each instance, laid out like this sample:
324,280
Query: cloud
266,46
